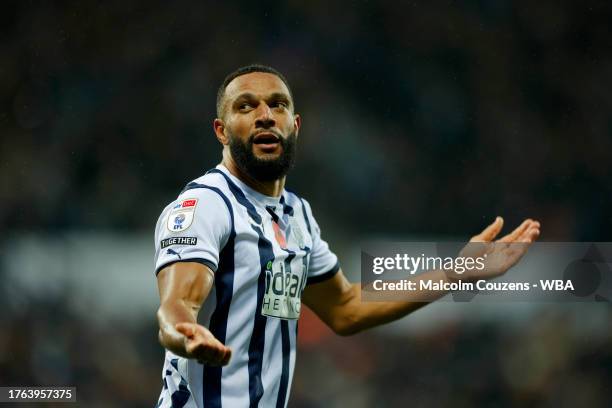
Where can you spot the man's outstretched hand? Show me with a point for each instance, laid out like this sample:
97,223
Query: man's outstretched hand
502,254
200,344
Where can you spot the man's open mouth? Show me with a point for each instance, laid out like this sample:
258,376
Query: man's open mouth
266,138
267,141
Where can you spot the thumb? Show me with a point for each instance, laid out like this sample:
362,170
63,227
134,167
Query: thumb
489,233
185,328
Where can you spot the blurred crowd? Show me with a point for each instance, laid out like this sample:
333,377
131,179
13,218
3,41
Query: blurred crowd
421,117
547,360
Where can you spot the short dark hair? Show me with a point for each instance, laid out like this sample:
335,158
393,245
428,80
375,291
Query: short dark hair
243,71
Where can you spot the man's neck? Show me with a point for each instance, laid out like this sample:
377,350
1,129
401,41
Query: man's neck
270,188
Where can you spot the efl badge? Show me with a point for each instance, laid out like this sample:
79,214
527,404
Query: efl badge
181,215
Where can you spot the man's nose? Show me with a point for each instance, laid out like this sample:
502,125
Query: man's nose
264,117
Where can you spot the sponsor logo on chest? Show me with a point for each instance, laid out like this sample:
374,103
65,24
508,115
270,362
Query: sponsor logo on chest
285,282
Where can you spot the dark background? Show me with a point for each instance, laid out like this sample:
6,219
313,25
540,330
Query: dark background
421,118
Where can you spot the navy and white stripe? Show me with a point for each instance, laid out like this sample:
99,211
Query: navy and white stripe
235,235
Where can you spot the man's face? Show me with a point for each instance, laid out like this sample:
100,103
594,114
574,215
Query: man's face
260,125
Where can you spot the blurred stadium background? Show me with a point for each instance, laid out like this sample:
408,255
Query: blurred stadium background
422,121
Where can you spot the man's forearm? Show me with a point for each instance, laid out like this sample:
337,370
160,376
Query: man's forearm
168,315
370,314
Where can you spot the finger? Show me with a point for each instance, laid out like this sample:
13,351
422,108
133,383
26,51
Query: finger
514,235
530,235
201,350
213,352
489,233
222,356
219,357
209,353
518,231
227,357
519,248
185,329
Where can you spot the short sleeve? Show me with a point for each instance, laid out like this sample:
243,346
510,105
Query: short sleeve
323,262
193,228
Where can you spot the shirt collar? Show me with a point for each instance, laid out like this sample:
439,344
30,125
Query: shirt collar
253,195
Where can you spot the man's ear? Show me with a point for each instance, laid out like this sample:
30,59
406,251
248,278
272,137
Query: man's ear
219,128
297,123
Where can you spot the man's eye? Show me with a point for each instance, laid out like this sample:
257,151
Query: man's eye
244,106
279,104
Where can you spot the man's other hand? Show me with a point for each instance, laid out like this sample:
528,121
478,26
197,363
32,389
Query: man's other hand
200,344
501,254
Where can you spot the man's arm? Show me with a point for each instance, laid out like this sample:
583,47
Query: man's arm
338,302
183,288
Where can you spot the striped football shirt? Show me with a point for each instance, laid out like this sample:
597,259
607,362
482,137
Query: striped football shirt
263,251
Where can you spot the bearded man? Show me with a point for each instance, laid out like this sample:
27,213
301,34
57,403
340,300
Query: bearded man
237,254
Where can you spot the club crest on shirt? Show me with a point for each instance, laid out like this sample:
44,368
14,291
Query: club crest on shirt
284,286
296,233
181,215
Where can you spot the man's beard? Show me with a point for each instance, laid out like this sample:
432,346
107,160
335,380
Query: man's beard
263,169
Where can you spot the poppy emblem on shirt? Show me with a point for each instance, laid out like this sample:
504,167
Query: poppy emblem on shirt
279,235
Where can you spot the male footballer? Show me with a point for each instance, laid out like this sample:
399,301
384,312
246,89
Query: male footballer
237,254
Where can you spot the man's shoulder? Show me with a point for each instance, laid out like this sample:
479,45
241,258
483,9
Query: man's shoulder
211,180
291,195
209,187
292,198
203,198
